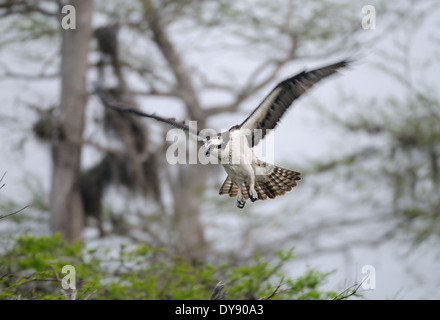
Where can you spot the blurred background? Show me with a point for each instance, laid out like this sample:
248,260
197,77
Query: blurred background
367,141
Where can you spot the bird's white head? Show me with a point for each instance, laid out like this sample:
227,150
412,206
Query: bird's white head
212,145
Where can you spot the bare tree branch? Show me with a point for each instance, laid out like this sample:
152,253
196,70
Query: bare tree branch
13,213
274,292
7,74
350,291
185,87
1,179
152,92
250,87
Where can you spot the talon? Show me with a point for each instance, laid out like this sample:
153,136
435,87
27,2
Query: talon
253,195
241,204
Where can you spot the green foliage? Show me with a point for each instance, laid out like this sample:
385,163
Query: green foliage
267,280
32,269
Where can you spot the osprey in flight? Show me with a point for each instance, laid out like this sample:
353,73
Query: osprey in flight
248,177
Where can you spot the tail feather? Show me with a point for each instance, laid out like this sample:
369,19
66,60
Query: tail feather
270,189
229,188
277,183
261,192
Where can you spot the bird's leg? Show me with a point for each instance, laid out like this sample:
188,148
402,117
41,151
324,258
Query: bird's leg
252,193
240,199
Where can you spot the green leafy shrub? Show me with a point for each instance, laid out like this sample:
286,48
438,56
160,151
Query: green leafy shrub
32,269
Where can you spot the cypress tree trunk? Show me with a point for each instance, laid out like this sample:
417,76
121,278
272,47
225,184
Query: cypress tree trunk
66,204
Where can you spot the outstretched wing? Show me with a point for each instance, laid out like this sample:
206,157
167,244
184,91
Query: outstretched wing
110,102
273,107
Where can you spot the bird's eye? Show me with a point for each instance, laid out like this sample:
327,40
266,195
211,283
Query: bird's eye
208,138
219,146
